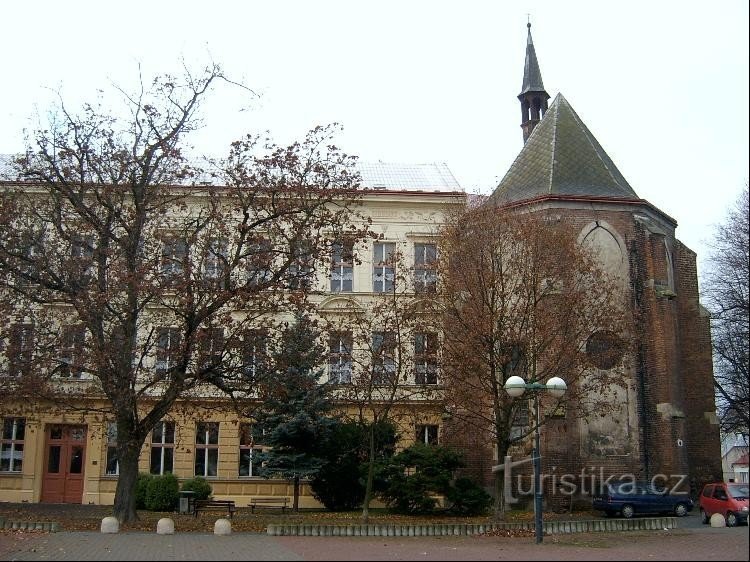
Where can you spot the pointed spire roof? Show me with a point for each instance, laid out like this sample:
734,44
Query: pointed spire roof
562,157
532,76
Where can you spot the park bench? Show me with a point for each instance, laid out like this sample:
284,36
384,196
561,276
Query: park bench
206,505
269,503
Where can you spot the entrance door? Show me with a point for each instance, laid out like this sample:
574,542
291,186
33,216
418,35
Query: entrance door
64,459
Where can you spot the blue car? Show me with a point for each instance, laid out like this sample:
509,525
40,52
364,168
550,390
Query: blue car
636,498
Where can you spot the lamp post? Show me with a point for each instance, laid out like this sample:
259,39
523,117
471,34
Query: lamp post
515,386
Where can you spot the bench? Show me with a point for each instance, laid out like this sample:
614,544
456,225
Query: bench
269,503
206,505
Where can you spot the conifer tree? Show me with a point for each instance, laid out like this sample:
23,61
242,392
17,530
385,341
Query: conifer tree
293,416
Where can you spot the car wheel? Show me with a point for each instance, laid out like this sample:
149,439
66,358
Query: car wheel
704,517
628,511
731,519
680,510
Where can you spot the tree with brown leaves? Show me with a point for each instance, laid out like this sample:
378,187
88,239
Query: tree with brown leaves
137,281
520,296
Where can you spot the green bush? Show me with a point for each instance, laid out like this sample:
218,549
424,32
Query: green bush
141,485
200,486
162,493
468,498
416,476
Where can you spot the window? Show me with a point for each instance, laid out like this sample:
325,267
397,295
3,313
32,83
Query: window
520,422
207,449
71,351
211,347
215,262
167,350
254,350
425,358
383,271
162,448
342,266
173,259
11,445
20,349
113,465
82,253
258,262
301,269
33,253
247,451
340,358
427,434
384,362
425,273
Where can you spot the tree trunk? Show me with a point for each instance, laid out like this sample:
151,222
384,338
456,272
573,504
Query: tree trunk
499,508
296,493
124,508
370,477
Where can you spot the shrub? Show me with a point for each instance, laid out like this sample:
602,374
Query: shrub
162,493
468,498
141,485
416,476
200,486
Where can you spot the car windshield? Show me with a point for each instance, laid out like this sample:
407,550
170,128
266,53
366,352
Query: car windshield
738,491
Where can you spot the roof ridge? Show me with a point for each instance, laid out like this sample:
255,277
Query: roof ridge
556,108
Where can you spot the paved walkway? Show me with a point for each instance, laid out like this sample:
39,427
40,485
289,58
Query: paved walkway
681,544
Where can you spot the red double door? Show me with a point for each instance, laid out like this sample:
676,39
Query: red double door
64,462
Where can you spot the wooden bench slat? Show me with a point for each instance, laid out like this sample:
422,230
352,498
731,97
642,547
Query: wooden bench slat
204,505
280,502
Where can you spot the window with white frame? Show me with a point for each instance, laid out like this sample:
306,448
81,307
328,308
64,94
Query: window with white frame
20,350
383,267
254,354
425,358
82,253
340,358
384,360
215,261
11,445
206,448
162,448
211,347
342,266
425,271
300,272
248,452
33,250
112,467
167,350
71,350
258,262
174,255
427,434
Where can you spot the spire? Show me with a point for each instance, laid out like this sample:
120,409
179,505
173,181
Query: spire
533,96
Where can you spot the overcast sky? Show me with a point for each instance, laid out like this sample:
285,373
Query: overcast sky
662,85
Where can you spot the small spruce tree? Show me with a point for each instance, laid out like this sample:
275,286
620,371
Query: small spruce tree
293,416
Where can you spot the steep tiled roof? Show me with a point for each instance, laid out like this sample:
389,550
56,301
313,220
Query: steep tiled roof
562,157
532,76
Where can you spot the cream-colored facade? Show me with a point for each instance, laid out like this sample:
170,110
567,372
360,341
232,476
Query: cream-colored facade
406,205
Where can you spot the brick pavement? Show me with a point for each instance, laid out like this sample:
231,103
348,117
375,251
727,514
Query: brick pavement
681,544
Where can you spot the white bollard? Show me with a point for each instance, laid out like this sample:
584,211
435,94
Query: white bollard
165,526
717,520
222,527
110,525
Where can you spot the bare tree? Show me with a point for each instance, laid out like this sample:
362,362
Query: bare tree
725,293
384,357
521,297
136,280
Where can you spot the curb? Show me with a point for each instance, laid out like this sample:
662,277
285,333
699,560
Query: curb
550,528
14,525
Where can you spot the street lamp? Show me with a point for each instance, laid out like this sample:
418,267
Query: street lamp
515,386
